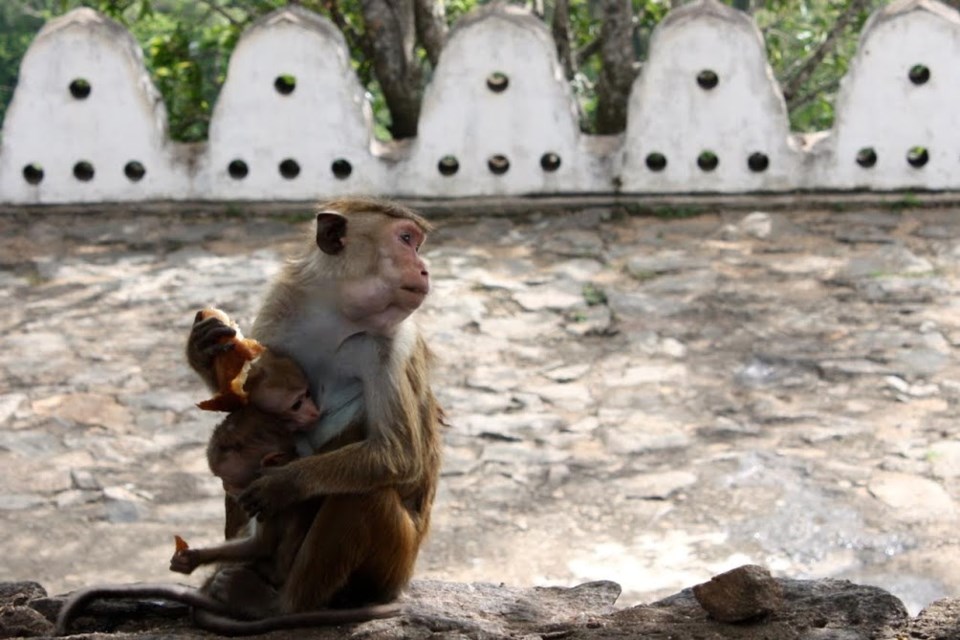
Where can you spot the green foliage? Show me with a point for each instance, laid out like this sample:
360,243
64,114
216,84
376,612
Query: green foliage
793,30
187,46
17,29
594,295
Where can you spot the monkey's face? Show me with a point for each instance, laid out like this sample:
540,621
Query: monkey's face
372,264
293,405
301,411
401,266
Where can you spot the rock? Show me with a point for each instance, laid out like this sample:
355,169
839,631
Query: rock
743,593
76,497
18,620
86,409
567,395
575,243
912,498
580,270
945,459
123,505
673,348
84,480
939,621
757,224
645,374
632,440
596,320
31,443
511,426
670,261
480,610
39,352
568,373
123,512
497,379
545,298
18,593
922,363
656,486
23,622
9,403
20,502
522,456
886,261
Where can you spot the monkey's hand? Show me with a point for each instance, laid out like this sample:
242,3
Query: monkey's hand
185,561
206,341
270,494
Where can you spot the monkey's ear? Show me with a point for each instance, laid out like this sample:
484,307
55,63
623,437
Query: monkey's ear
331,230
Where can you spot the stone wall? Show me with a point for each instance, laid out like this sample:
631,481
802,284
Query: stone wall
86,123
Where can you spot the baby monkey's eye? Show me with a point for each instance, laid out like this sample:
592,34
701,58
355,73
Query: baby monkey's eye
296,405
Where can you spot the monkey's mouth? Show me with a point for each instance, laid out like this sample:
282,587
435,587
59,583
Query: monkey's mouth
419,290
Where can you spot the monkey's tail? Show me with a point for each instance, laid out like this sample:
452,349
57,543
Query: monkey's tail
228,626
140,591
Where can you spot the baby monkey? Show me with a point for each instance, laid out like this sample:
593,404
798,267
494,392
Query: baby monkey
245,443
255,437
276,385
246,372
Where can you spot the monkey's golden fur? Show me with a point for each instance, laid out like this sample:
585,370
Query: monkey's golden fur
377,493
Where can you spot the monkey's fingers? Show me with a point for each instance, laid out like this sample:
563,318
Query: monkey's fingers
251,503
256,501
209,332
184,561
180,567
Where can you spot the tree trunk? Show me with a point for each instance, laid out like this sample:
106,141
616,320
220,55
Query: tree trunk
431,27
797,76
618,72
391,32
561,35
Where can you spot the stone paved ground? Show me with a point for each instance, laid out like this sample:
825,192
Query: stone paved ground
644,400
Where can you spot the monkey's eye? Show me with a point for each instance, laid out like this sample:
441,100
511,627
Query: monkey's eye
406,238
296,405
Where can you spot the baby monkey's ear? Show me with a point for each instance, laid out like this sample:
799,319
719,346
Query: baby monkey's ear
275,459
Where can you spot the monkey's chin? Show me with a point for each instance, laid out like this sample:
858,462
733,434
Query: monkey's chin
410,298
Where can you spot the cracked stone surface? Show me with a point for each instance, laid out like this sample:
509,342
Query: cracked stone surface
644,400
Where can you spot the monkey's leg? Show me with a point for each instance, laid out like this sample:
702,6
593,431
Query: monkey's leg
244,591
359,549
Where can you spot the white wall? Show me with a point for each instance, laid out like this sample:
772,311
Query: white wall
673,115
879,107
528,113
121,120
326,120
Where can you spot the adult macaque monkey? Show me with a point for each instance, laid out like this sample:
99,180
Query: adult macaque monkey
341,309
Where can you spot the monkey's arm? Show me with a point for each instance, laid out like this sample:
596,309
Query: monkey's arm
354,468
